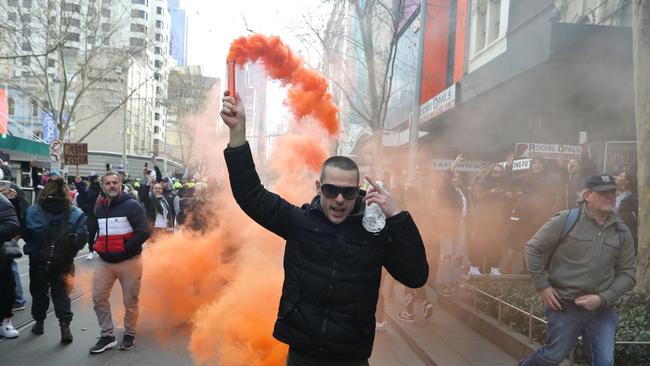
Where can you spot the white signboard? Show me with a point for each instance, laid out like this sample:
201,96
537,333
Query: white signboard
435,106
465,166
547,151
521,164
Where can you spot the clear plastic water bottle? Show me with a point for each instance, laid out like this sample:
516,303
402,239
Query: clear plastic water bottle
374,219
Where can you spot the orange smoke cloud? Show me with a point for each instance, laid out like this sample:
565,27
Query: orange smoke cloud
307,94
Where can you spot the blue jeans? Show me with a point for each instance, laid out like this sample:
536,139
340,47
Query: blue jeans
598,328
20,296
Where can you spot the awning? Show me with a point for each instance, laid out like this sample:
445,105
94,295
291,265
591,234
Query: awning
20,149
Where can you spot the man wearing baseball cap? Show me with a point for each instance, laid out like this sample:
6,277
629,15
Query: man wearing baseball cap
581,261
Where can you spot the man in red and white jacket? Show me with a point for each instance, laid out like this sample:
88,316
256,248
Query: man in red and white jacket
123,229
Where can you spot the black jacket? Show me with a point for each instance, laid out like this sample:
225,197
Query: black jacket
9,225
332,272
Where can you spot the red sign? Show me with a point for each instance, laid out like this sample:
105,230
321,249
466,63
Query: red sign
4,112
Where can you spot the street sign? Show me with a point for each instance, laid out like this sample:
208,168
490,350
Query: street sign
75,153
55,157
56,146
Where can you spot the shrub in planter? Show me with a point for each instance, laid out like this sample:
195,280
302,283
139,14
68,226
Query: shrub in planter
633,310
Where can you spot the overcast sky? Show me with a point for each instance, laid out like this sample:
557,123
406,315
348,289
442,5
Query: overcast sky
213,24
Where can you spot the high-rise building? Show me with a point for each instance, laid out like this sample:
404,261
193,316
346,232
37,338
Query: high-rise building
178,41
124,48
251,86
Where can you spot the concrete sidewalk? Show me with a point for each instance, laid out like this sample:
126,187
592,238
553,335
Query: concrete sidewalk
443,339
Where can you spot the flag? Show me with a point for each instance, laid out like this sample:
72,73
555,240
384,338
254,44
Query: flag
50,130
4,112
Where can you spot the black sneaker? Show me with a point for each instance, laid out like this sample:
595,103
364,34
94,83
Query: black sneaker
103,344
127,342
66,334
38,327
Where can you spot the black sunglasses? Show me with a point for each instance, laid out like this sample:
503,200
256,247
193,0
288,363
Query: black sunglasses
332,191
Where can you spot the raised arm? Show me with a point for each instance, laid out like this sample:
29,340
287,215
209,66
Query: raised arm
266,208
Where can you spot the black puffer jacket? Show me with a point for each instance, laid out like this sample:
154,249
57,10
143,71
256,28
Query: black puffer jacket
332,272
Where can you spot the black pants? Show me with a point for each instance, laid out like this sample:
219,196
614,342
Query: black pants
7,290
296,359
53,278
93,229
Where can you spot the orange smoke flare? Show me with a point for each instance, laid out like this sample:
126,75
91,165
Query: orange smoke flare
307,94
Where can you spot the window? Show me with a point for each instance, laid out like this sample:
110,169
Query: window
74,22
70,36
92,11
106,13
25,74
157,64
139,2
138,14
140,28
156,116
159,10
51,62
159,24
12,2
12,17
158,37
106,27
24,60
25,18
136,42
90,40
157,50
75,8
34,108
25,46
11,106
27,4
156,129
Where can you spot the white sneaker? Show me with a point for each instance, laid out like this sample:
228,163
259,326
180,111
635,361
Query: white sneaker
495,271
474,271
90,256
380,326
8,330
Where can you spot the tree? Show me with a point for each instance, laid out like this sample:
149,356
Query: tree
359,45
65,54
188,90
641,36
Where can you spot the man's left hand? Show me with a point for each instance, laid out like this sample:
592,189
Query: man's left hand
589,302
380,196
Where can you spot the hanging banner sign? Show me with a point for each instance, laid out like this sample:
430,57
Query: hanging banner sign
439,104
547,151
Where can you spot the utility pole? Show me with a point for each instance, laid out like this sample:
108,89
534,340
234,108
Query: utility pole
415,114
641,44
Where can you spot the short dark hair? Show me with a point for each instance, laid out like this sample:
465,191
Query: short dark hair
341,162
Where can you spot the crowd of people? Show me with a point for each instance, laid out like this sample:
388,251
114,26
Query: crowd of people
114,216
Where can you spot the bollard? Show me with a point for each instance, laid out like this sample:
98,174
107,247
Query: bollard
475,302
530,324
499,311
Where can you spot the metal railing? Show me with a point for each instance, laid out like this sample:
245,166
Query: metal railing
529,314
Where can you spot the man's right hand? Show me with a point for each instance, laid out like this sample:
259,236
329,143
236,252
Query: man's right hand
233,115
551,298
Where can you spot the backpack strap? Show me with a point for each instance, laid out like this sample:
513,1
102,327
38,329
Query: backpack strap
569,224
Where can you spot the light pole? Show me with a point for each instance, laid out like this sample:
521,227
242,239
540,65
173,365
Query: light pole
415,115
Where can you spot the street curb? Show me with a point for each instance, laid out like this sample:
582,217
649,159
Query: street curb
422,354
508,340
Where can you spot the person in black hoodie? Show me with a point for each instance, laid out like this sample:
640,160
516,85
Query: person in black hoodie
332,264
54,232
160,211
87,200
